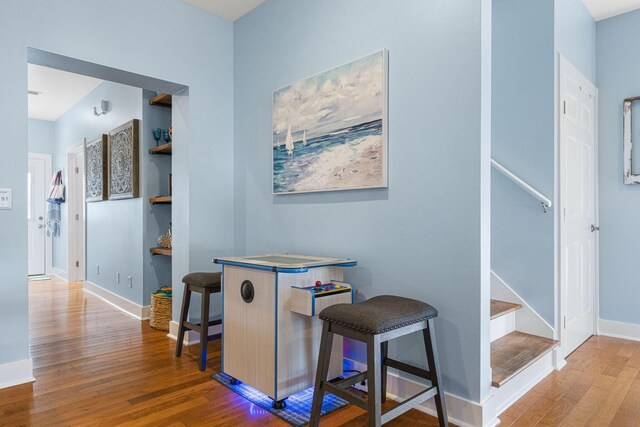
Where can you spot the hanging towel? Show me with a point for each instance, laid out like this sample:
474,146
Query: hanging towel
53,219
56,195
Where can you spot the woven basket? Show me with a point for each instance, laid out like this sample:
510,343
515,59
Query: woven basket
160,314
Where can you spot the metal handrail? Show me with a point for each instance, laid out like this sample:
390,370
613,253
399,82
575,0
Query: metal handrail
546,203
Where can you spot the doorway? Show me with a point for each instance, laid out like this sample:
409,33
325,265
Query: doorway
39,245
578,211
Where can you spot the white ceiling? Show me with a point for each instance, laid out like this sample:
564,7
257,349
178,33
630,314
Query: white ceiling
227,9
59,91
602,9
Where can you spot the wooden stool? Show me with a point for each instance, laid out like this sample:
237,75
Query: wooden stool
205,284
375,322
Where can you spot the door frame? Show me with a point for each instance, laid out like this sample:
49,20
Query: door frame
560,335
48,247
76,229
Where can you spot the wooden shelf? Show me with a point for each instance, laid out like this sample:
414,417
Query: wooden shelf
161,149
161,251
160,199
163,100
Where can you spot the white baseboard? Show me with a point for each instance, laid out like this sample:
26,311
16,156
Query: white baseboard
190,337
612,328
460,411
122,304
59,273
527,319
15,373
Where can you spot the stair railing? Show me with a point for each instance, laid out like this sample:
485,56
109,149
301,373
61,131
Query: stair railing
546,203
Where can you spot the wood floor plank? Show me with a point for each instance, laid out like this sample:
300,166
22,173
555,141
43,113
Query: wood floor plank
584,409
629,410
614,399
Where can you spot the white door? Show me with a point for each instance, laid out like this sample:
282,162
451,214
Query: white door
578,214
36,195
76,213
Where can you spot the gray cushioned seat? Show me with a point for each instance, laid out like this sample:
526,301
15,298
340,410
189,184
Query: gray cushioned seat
206,279
379,314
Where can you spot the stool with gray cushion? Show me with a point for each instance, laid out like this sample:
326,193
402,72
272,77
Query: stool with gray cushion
375,322
204,284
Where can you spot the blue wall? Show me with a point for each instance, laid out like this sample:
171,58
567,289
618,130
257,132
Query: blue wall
197,52
618,68
114,228
419,238
526,37
576,36
41,139
523,141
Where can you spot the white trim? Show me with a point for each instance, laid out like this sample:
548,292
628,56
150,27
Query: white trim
132,309
190,337
14,373
75,204
515,388
612,328
460,411
527,319
48,256
519,181
59,273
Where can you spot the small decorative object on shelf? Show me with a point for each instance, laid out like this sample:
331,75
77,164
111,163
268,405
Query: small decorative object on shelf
165,239
157,134
160,313
171,132
166,136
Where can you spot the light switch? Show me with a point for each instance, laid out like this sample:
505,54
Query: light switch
6,200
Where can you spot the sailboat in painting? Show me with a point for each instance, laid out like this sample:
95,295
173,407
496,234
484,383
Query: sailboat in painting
288,142
304,138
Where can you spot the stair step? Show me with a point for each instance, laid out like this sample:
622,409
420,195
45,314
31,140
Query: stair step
500,308
514,352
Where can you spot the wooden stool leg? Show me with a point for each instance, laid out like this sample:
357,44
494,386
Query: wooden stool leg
434,368
204,328
324,359
374,398
184,312
384,349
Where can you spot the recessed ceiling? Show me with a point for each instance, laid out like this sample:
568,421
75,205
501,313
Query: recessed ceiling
57,90
227,9
602,9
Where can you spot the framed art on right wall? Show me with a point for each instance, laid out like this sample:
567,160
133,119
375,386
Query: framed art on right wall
330,130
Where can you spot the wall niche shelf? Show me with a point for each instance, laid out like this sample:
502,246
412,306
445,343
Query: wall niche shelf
161,251
160,199
162,99
161,149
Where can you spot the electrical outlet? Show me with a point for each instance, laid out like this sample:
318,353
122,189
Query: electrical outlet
130,281
98,269
118,278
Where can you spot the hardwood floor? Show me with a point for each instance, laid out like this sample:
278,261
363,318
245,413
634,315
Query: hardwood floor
95,365
600,386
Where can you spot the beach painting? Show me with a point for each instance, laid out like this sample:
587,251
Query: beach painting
329,130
